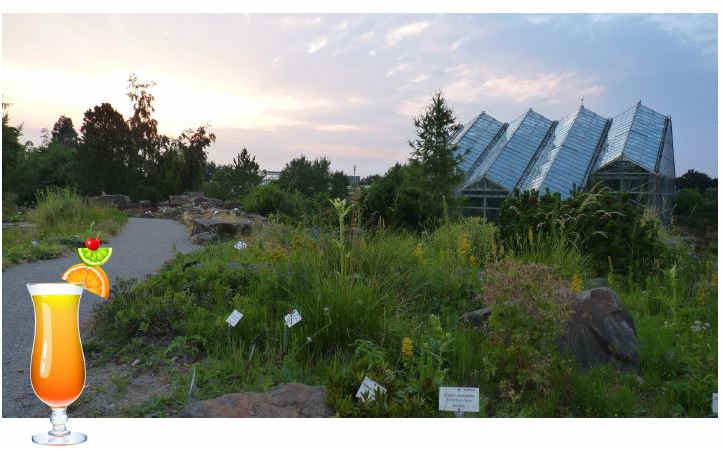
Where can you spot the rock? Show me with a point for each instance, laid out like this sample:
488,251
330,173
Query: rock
286,401
144,204
476,318
178,200
119,201
203,237
214,202
600,330
135,362
242,226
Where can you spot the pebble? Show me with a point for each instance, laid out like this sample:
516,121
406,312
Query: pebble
135,362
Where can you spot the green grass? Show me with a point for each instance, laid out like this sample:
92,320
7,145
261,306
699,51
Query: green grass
61,221
397,285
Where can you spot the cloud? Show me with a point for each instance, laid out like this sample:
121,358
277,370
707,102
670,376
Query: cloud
367,36
394,36
400,67
549,86
455,46
698,29
372,52
295,21
317,44
341,26
419,78
538,19
337,128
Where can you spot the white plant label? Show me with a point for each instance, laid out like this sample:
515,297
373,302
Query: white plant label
234,318
458,399
240,245
292,318
714,403
368,389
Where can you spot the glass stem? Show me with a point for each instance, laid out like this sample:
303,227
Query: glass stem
59,418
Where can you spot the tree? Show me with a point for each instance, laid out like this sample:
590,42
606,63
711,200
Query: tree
245,173
191,145
306,176
13,153
106,152
339,185
432,148
695,180
64,133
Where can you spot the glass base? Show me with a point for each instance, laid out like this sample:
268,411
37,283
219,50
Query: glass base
65,440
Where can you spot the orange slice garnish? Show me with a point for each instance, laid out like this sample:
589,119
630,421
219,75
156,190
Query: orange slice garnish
93,279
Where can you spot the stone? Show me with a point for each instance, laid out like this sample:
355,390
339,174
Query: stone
119,201
242,226
178,200
144,204
203,237
285,401
476,318
600,331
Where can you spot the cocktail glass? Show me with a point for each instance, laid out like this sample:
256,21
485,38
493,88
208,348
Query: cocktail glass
57,368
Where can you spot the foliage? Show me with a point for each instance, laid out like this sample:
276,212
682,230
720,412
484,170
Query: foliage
528,316
61,221
604,226
64,132
696,210
306,176
693,179
419,194
232,181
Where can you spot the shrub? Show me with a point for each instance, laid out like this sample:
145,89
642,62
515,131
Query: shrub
530,309
603,225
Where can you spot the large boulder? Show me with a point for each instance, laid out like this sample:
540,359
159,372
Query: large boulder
599,330
216,226
203,237
178,200
117,200
602,331
286,401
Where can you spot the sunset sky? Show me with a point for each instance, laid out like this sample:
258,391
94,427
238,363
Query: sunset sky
347,86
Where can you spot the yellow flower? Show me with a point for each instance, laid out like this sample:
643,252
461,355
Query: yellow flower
407,347
700,295
576,285
419,251
472,259
464,246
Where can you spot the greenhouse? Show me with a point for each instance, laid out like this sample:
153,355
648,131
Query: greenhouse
632,152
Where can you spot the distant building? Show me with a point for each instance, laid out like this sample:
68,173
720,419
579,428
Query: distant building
269,176
632,152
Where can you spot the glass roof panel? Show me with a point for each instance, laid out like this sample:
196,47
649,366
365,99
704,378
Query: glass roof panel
476,137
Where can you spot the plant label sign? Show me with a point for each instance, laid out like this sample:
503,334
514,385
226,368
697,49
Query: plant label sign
368,389
234,318
458,399
292,318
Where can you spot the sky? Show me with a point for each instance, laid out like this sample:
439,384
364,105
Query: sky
348,86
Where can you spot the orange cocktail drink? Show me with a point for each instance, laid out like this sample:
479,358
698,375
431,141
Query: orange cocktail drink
57,368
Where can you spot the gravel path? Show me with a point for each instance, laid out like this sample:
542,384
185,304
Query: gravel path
141,248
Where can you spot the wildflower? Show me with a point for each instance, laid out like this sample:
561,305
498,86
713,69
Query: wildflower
325,310
700,295
472,260
308,339
407,347
576,285
419,251
464,246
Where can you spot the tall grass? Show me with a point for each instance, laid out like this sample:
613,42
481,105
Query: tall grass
361,299
62,219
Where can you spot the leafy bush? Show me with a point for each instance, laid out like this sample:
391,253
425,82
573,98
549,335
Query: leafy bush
530,310
607,227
